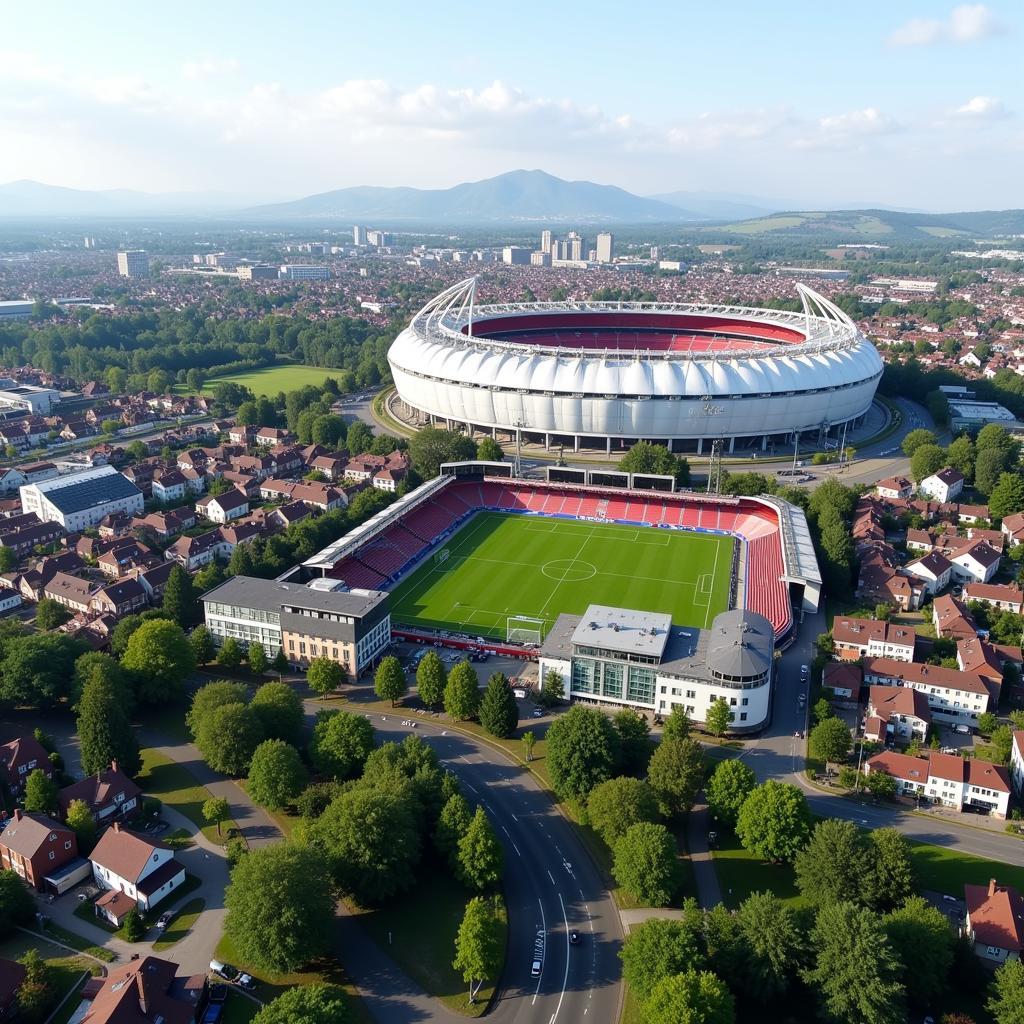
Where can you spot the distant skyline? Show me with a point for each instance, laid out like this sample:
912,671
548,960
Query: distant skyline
912,105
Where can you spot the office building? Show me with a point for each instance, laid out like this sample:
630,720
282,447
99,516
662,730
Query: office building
359,234
304,272
605,247
80,500
516,255
381,239
575,246
545,241
351,627
15,309
133,263
540,259
258,272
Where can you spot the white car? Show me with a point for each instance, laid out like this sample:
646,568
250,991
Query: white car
535,969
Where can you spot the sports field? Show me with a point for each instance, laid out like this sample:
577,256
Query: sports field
501,565
271,379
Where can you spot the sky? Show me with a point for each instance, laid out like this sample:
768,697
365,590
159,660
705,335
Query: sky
906,104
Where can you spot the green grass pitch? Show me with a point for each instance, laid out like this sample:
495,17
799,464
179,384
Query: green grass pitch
502,565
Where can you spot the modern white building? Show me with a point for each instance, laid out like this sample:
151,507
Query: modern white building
143,871
80,500
943,486
304,272
16,309
642,660
133,263
31,399
515,255
605,247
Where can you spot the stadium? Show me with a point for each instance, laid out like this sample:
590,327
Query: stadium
600,374
477,559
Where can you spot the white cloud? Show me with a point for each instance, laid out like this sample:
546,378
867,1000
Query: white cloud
980,108
849,130
967,23
208,67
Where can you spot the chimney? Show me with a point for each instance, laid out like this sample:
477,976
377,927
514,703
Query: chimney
141,989
113,765
17,814
117,826
991,887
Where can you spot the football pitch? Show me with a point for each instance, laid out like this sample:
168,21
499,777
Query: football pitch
499,566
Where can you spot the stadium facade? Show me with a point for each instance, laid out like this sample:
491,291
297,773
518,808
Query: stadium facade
593,374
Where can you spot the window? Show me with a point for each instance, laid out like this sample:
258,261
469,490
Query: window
52,855
67,844
743,716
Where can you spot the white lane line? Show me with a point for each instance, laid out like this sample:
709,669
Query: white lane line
514,816
565,976
516,848
470,786
552,877
544,926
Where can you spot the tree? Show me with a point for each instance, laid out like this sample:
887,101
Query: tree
216,811
431,679
50,614
488,450
822,710
132,927
658,948
830,739
36,992
159,653
1006,1004
38,671
646,863
833,866
989,466
719,717
316,798
452,824
370,837
389,681
917,439
927,459
40,792
582,751
341,743
730,784
855,970
645,457
280,662
328,430
480,856
228,737
201,642
1002,743
774,822
280,907
257,658
920,937
462,692
499,713
693,997
987,723
279,709
890,879
675,774
16,903
306,1004
105,733
276,775
478,944
961,455
528,743
230,654
179,600
429,447
80,820
8,559
677,725
360,438
881,784
553,689
324,676
616,805
773,945
634,741
415,762
1007,496
212,696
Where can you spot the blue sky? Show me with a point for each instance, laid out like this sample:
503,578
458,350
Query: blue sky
906,104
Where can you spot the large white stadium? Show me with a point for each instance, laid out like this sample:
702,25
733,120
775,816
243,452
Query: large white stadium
592,374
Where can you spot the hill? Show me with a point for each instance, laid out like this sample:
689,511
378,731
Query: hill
515,196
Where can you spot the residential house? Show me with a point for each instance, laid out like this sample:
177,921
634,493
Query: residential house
976,562
19,758
11,480
285,515
896,713
144,870
122,597
951,618
844,680
108,794
194,552
934,570
1017,761
36,472
268,437
35,846
126,554
1004,597
169,485
242,435
258,467
70,591
148,991
9,599
287,459
894,487
221,508
995,921
854,638
980,657
388,479
154,581
954,697
943,486
1013,528
117,524
318,495
968,514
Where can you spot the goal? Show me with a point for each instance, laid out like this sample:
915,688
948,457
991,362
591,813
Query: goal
522,629
442,556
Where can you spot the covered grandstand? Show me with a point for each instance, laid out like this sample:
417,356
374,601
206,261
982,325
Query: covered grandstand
777,568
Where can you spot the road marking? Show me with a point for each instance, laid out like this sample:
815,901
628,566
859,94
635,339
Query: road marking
565,977
544,926
552,877
514,815
470,786
516,848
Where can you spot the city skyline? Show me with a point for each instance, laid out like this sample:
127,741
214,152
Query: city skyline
916,107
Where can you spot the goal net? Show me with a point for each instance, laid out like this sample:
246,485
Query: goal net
442,556
522,629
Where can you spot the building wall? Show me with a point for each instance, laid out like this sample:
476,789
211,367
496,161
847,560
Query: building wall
301,648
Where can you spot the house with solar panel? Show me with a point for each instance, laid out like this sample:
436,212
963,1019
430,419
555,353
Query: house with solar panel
80,500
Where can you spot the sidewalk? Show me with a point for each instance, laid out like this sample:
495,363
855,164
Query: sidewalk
709,894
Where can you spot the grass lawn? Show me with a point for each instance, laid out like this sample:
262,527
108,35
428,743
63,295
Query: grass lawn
238,1009
168,720
944,870
180,924
419,933
176,787
68,972
326,971
271,379
179,839
76,941
740,873
563,566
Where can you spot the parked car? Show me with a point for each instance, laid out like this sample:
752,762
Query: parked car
165,919
222,970
245,981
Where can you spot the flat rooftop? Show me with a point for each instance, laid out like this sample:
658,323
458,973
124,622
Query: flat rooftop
624,630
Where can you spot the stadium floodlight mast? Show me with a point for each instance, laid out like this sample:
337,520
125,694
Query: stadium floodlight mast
517,467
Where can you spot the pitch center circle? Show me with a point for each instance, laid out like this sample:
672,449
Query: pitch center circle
568,570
